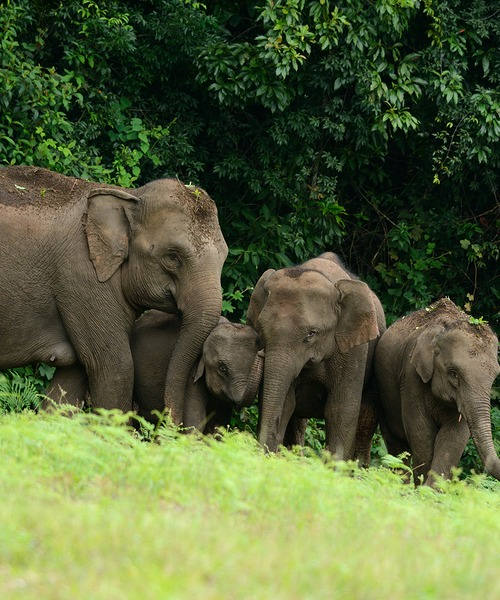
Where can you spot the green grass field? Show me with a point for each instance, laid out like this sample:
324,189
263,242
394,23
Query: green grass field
89,511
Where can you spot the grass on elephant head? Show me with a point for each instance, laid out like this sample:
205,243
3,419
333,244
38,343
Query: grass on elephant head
90,511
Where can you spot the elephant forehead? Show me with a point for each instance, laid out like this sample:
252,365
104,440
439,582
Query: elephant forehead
309,287
231,335
460,337
303,277
194,202
467,348
284,313
161,219
170,196
173,223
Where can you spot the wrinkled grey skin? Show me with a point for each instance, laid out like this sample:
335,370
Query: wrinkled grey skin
227,375
315,320
310,401
435,372
79,261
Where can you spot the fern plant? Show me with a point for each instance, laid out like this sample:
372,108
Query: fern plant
18,393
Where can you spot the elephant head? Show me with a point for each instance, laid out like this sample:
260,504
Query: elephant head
304,317
163,244
232,363
459,362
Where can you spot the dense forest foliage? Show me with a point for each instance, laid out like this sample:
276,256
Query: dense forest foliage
368,128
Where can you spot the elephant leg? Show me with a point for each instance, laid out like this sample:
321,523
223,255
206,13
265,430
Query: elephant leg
101,341
342,413
295,432
110,374
288,409
449,446
340,425
394,445
421,431
367,424
219,415
345,389
111,382
69,386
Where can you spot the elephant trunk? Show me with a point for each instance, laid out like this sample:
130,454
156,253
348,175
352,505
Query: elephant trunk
477,414
201,314
278,376
254,380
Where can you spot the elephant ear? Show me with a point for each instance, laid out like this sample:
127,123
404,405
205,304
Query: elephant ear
258,298
200,369
422,356
357,319
109,217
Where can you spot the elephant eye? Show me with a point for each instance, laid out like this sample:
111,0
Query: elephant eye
222,369
453,375
310,334
173,257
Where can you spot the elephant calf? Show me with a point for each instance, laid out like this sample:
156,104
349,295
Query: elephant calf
435,371
227,375
319,322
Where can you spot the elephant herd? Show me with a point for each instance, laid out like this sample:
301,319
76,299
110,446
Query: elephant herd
80,262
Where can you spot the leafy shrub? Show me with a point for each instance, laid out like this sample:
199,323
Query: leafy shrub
371,129
18,392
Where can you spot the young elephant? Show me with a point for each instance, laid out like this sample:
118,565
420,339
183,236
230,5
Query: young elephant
315,320
232,366
435,371
230,363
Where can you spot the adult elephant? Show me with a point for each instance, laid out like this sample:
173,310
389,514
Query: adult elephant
79,261
315,319
435,371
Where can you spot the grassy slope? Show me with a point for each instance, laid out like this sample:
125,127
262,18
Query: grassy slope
90,512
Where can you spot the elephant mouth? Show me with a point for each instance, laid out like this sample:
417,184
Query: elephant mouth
460,412
312,362
170,304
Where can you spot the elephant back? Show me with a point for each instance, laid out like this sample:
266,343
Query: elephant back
35,186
